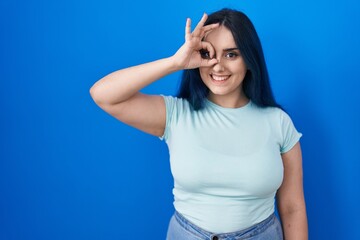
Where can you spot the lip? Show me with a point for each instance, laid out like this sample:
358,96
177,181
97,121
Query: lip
219,79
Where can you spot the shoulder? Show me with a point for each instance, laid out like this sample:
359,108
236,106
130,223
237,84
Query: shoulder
172,99
176,108
172,103
177,112
277,117
275,113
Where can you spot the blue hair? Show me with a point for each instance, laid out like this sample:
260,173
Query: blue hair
256,83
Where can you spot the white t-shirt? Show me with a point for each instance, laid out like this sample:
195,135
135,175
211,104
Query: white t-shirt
226,162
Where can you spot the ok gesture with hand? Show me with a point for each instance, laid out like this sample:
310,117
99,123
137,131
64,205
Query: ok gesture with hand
189,54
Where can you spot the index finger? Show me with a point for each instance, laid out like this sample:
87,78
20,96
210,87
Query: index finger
210,27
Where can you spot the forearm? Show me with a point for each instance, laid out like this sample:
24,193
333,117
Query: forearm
294,224
123,84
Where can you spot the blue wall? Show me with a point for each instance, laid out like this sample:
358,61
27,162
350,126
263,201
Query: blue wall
70,171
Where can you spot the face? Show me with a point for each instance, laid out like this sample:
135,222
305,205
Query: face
225,78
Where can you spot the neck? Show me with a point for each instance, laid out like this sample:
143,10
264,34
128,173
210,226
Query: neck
229,101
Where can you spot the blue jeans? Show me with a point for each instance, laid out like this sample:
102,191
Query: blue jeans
181,229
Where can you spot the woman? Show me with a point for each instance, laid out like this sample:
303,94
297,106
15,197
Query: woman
232,149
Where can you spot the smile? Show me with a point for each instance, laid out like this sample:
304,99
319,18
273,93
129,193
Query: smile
219,78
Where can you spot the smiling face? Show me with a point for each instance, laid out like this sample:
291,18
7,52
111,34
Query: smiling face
225,78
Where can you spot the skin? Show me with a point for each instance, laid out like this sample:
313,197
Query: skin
118,94
224,79
290,197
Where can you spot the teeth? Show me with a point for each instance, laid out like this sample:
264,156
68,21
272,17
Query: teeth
219,78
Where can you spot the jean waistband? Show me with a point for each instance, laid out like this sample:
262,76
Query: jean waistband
251,231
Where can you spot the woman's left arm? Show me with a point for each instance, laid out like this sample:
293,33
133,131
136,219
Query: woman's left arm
290,197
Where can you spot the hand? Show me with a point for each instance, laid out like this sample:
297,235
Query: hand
189,54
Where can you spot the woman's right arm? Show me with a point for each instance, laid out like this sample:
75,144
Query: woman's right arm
118,93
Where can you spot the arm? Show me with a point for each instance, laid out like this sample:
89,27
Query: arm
290,197
118,93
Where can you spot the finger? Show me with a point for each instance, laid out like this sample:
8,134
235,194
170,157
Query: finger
207,29
210,27
188,28
208,62
208,47
197,30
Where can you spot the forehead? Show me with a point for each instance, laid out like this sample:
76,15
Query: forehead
221,37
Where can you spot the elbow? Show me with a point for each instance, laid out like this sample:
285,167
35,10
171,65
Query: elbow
93,93
292,207
96,95
101,96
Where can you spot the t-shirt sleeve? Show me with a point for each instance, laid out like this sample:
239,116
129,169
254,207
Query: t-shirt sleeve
170,103
290,136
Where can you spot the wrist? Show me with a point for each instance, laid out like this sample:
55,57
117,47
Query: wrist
175,65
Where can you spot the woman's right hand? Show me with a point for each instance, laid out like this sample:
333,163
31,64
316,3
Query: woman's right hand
189,54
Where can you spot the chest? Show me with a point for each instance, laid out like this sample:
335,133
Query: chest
231,157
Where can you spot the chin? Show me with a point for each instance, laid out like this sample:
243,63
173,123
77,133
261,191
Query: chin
218,92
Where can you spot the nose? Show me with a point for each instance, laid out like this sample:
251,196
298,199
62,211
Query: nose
218,67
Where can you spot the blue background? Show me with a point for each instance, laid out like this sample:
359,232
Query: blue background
68,170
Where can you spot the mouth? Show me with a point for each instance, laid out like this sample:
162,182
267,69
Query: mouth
219,78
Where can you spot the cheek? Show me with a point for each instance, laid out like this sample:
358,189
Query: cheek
203,72
239,69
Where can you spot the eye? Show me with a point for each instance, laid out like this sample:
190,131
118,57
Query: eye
204,54
231,55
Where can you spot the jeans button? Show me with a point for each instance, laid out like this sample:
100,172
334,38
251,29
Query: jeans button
214,238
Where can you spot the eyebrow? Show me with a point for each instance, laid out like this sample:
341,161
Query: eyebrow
230,49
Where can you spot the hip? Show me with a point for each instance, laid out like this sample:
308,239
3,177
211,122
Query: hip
180,228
